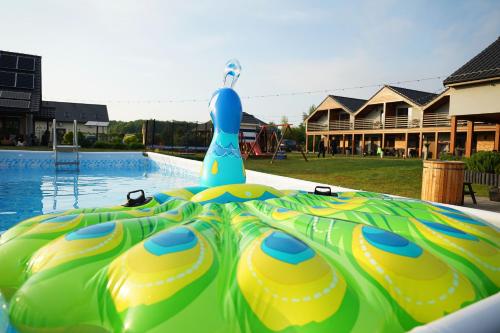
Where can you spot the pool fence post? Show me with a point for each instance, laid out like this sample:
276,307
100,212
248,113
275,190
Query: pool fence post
54,138
154,132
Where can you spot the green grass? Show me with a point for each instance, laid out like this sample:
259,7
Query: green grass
388,175
393,176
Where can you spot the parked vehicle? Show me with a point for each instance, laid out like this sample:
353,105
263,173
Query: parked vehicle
288,145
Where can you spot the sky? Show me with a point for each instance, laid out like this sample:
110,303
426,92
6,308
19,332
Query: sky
145,58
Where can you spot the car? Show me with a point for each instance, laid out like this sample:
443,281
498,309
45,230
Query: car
288,145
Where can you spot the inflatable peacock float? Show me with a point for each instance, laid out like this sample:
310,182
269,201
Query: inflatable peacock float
233,257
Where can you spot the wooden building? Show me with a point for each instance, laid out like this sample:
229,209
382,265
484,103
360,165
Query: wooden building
464,118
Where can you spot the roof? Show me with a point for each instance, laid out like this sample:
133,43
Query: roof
352,104
439,100
416,96
80,112
247,118
485,65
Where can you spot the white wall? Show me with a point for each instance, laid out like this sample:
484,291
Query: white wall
484,98
41,126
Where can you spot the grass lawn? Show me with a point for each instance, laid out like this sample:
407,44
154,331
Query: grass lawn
388,175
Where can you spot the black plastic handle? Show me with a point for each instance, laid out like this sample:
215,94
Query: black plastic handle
142,196
323,190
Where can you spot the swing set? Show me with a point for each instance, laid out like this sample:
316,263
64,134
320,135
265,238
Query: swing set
267,142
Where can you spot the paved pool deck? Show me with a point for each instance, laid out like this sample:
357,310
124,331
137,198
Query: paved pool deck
483,203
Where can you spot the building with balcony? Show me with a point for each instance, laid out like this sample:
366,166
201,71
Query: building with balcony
462,119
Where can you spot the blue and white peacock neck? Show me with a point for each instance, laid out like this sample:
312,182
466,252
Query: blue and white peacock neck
223,164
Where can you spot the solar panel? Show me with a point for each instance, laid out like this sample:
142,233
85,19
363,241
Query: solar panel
25,81
13,103
15,94
7,79
8,61
27,64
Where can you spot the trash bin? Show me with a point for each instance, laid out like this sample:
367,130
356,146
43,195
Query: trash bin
443,181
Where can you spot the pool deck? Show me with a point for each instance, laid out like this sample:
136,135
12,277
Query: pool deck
483,203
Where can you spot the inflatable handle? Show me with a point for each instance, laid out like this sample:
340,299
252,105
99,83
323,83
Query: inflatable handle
131,202
324,190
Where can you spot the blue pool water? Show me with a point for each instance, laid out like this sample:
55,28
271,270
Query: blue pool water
29,192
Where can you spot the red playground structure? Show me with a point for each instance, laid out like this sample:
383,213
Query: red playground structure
267,143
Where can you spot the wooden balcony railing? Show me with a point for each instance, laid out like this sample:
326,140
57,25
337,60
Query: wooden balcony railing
436,120
440,120
396,122
340,125
315,127
367,124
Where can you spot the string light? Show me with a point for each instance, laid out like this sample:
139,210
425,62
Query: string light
283,94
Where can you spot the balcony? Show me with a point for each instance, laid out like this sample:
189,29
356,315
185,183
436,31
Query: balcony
367,124
440,120
396,122
340,125
316,127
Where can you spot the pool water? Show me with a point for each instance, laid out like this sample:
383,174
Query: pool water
29,192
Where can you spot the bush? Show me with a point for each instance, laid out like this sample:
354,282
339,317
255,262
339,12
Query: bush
102,144
68,138
136,145
484,161
129,139
448,157
119,145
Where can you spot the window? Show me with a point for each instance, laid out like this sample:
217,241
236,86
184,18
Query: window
7,79
25,81
8,61
27,64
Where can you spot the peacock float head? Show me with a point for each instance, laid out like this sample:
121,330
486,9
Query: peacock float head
223,164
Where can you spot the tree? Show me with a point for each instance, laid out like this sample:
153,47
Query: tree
284,120
312,108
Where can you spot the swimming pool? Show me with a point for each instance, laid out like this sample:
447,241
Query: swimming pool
30,186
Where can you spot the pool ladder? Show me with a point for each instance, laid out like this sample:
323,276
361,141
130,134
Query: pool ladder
58,149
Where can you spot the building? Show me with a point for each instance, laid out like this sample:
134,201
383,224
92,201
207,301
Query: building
464,118
20,94
23,114
250,127
91,119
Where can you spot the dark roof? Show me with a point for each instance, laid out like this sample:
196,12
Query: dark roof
81,112
417,96
353,104
247,118
485,65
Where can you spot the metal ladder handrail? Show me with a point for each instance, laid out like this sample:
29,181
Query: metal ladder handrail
60,148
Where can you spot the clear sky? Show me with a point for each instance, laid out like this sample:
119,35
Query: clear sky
98,51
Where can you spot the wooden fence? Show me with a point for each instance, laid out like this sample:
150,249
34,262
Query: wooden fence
482,178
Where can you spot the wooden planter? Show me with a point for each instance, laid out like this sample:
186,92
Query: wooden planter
494,194
443,181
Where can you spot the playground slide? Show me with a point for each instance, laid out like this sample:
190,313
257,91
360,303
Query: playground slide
256,149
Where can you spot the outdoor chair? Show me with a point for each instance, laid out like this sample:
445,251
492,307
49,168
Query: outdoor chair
468,191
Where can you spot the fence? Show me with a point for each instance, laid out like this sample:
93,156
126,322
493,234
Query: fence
482,178
177,135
